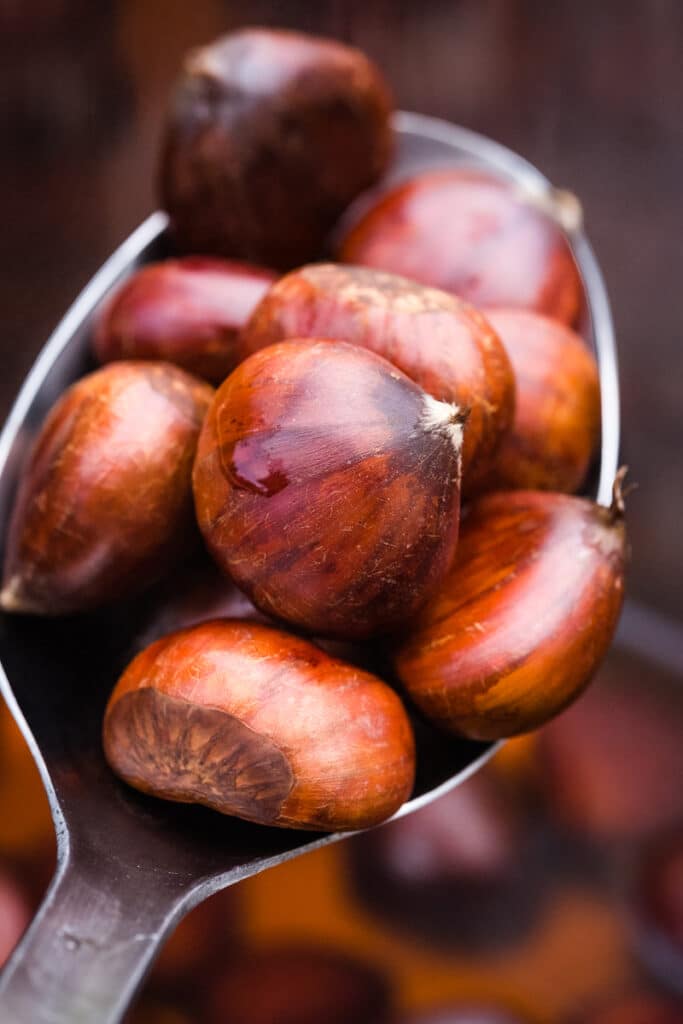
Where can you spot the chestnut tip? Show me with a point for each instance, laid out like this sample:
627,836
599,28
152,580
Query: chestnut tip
446,418
12,599
620,493
561,205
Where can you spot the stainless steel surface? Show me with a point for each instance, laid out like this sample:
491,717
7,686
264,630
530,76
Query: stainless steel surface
129,867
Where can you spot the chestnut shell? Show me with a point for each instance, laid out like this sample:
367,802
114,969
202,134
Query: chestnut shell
253,722
187,311
524,618
104,507
556,426
270,136
436,339
327,486
470,233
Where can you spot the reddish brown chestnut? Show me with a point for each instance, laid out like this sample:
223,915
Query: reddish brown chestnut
557,410
105,503
440,342
299,985
270,137
470,233
466,1013
327,485
255,723
525,616
186,311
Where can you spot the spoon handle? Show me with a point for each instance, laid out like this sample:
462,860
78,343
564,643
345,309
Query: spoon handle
89,947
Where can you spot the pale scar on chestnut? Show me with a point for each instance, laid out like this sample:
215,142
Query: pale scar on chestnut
180,751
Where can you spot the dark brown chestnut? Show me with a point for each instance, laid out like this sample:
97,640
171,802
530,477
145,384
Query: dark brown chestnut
440,342
299,984
327,485
557,409
270,136
187,312
473,234
525,616
105,503
255,723
596,764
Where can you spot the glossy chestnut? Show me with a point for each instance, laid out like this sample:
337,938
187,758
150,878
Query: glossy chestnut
525,616
327,486
186,311
440,342
556,424
471,233
253,722
270,136
104,506
299,984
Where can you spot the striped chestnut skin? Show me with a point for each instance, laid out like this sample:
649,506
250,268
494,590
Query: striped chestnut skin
472,234
524,618
270,136
187,312
253,722
327,485
439,341
104,507
556,426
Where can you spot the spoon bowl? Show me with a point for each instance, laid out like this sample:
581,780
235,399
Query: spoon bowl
129,866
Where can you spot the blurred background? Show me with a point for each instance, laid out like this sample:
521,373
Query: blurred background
550,888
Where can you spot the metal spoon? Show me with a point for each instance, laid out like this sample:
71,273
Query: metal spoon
129,867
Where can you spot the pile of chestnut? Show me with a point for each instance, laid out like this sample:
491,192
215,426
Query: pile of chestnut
359,402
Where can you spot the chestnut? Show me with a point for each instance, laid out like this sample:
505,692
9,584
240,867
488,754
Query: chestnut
270,136
15,913
460,874
474,234
185,311
327,486
105,502
525,616
556,425
596,764
299,984
255,723
440,342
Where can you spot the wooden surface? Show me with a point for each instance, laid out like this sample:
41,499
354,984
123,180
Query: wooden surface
592,93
